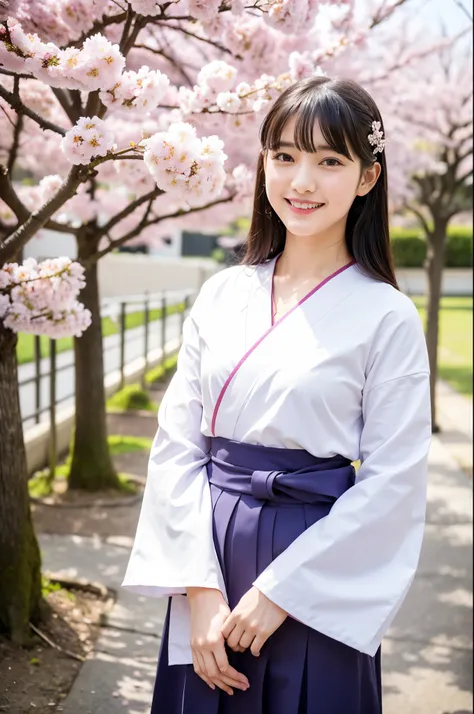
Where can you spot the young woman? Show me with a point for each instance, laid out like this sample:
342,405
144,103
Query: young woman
284,565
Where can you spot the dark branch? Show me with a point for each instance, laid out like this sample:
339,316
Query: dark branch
150,196
21,212
15,102
67,103
177,65
16,132
11,73
420,217
139,228
38,219
206,40
99,26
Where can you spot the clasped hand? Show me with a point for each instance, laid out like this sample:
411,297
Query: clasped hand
250,624
252,621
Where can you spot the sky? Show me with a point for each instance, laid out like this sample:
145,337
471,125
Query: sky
429,13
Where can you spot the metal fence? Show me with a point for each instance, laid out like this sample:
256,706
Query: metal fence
152,325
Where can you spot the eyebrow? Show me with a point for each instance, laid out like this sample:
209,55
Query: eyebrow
320,147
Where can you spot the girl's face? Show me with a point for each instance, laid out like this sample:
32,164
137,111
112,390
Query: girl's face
313,192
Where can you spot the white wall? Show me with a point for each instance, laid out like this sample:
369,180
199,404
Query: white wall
456,281
51,245
126,274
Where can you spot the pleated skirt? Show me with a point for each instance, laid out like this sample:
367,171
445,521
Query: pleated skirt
256,517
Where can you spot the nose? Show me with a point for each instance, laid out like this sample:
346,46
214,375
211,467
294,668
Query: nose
304,179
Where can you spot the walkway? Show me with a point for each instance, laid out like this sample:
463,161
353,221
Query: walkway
427,652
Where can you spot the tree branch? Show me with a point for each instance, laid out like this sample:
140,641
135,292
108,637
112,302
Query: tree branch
37,220
11,73
380,17
16,132
150,196
420,217
139,228
201,39
66,101
13,201
177,65
463,179
16,104
464,9
98,26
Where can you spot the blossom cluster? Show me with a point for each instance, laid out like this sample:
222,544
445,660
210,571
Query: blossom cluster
41,298
292,16
184,165
137,92
98,64
89,138
289,16
218,86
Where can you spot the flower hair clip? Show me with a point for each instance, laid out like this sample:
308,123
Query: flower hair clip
376,138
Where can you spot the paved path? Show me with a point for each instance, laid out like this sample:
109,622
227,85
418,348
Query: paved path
134,347
427,659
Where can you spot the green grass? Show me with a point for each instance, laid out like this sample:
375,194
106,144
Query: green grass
131,397
25,347
124,444
455,341
40,486
161,371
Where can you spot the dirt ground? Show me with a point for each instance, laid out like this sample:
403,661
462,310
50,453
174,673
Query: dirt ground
38,679
106,513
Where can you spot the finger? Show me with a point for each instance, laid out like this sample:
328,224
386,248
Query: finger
234,638
233,682
227,673
246,639
237,676
228,626
257,644
198,670
222,661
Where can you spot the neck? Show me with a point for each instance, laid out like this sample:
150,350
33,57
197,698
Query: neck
303,258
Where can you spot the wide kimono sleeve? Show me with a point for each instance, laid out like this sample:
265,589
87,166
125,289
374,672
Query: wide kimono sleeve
173,546
347,575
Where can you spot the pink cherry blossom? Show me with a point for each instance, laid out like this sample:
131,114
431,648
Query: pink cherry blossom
89,138
29,291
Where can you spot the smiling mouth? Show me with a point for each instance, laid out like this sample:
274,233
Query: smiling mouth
304,207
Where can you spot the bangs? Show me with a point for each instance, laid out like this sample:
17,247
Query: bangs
327,109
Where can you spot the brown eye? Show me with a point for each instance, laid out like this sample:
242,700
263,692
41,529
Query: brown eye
335,162
282,158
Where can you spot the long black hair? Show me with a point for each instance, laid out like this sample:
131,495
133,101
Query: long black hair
345,112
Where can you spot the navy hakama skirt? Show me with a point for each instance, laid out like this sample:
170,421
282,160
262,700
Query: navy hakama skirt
263,498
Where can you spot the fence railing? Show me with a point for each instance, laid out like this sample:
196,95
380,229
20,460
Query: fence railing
134,337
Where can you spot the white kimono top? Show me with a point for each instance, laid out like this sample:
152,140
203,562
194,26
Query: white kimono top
345,372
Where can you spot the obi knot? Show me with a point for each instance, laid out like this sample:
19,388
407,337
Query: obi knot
262,485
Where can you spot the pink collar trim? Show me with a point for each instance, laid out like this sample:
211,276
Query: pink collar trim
307,296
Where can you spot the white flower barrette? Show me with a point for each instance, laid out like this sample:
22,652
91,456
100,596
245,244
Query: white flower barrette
376,138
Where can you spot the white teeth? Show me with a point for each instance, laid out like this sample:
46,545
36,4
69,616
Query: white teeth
305,205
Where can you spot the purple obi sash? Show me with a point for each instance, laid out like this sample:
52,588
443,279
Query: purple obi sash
263,498
279,475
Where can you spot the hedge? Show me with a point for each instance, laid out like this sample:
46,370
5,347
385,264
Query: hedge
409,247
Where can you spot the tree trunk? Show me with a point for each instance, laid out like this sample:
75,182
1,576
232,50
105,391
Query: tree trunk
92,468
20,562
434,271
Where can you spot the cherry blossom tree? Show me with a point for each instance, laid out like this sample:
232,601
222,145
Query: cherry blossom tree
130,115
426,100
439,154
39,299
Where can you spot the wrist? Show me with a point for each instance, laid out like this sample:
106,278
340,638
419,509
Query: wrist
194,593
